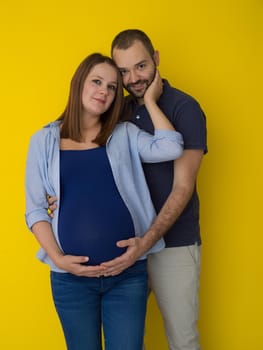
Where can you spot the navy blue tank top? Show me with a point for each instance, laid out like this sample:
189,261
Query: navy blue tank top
92,215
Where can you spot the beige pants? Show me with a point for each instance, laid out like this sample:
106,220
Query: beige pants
174,280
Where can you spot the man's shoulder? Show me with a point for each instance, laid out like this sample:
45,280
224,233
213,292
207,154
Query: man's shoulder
176,94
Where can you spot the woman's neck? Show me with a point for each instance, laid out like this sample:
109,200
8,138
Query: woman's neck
89,130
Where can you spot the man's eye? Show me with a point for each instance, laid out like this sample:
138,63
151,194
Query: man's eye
123,72
141,66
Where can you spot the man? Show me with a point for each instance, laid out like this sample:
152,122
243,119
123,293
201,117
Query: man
174,272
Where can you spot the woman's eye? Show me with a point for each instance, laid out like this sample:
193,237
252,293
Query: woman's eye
112,87
96,81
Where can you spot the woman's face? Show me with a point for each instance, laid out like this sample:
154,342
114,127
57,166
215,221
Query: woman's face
99,89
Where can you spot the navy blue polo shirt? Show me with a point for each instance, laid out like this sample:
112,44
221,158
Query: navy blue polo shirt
188,118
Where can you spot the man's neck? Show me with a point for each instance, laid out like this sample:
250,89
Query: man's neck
140,101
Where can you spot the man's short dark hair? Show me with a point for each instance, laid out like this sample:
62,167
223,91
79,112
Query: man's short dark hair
126,39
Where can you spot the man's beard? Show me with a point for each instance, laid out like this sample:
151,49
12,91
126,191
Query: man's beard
131,88
143,84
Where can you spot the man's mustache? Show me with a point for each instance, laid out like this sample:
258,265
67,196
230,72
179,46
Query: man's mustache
138,82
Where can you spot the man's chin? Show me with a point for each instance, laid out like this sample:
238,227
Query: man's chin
136,94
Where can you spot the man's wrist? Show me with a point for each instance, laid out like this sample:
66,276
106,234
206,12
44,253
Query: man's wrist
148,241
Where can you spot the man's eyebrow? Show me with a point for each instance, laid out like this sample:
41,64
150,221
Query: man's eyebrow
143,61
135,65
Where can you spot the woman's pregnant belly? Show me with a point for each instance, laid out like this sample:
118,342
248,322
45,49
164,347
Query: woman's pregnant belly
93,231
92,214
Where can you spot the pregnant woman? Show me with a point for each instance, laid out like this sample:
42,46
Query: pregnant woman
91,162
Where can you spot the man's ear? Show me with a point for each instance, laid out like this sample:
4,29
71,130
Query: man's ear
156,58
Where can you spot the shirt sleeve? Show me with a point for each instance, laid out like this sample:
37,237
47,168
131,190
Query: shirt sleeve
190,121
164,145
36,202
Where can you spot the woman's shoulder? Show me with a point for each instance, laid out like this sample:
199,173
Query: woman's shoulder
46,131
44,140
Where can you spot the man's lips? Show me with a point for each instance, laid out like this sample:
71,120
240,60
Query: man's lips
138,87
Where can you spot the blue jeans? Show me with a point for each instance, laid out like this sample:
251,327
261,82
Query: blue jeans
116,304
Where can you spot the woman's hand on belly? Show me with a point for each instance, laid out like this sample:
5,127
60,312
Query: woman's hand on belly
135,248
75,265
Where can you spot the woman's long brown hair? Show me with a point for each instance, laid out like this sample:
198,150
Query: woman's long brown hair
72,116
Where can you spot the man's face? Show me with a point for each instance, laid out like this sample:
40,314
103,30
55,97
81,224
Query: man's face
137,68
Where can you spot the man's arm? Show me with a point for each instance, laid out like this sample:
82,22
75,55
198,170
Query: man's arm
185,174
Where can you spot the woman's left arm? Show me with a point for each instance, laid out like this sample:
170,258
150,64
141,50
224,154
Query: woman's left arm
151,96
166,144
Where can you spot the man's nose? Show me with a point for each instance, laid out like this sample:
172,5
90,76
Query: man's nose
133,76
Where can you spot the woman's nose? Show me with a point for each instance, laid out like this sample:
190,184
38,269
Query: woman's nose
103,90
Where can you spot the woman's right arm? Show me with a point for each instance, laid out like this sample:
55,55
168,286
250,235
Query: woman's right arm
42,230
69,263
38,220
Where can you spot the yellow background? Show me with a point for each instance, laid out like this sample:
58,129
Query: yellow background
210,49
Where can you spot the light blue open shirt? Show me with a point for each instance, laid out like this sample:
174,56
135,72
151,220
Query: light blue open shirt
126,148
